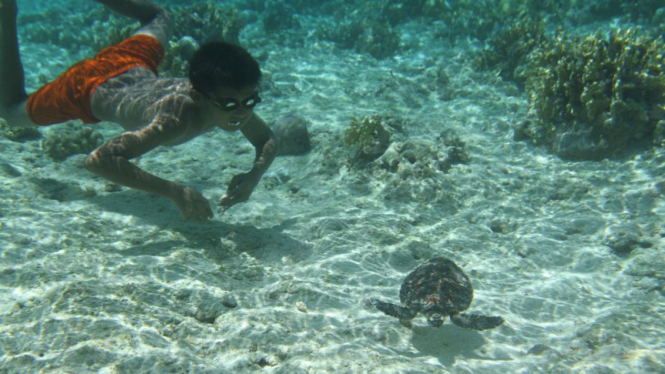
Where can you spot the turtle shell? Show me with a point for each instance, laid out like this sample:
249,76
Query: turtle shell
437,285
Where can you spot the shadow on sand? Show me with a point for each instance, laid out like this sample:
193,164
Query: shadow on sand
215,237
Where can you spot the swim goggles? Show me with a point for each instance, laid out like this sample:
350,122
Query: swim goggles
229,105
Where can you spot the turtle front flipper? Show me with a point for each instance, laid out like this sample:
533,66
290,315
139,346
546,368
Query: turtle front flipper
393,310
476,322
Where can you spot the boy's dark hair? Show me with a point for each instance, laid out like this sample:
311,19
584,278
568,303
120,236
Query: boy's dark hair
221,64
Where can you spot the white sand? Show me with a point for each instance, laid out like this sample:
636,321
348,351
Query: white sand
118,283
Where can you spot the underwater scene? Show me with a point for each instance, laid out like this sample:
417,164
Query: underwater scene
460,186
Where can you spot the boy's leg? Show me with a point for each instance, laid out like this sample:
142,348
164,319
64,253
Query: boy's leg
12,85
155,20
12,88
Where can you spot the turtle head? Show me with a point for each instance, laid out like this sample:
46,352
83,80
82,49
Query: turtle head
435,320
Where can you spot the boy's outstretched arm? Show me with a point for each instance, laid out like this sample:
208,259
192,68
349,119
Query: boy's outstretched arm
262,138
155,20
111,161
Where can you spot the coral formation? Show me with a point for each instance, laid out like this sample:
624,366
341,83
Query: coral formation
370,137
411,159
281,21
408,169
197,24
114,31
507,51
176,59
451,150
373,37
87,26
72,140
207,21
596,96
297,6
98,27
625,237
18,134
414,170
424,158
482,19
477,19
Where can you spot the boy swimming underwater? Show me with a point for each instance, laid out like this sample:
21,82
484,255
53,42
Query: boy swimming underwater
120,85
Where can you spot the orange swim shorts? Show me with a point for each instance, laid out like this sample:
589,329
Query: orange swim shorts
68,97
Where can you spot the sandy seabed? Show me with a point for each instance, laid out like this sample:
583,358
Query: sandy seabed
569,253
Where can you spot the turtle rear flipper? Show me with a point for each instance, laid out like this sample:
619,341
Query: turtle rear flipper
476,322
393,310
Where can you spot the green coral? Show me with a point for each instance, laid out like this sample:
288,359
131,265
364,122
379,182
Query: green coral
608,90
71,140
507,51
370,137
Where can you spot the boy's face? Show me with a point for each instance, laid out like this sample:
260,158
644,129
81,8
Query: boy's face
233,108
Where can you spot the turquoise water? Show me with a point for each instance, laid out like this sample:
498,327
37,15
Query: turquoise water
100,278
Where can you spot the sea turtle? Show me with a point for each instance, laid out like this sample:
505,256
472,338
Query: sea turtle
438,288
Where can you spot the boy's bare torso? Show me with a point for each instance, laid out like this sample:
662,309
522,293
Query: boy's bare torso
136,98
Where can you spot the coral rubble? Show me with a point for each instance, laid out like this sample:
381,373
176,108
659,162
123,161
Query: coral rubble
71,140
18,134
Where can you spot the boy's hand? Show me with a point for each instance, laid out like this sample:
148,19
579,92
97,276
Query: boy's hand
193,206
239,190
